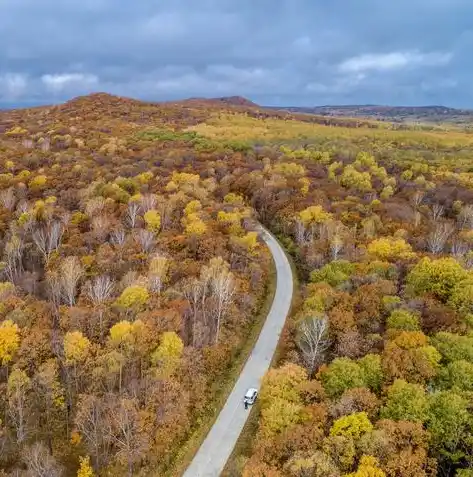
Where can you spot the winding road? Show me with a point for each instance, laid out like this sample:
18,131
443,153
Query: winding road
214,452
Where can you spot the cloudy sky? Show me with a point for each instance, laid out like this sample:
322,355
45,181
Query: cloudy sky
275,52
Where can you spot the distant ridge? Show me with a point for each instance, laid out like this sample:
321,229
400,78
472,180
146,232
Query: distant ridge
433,113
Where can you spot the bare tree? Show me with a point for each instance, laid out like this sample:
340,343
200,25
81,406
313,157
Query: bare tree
95,206
99,290
193,290
146,239
313,341
459,249
90,420
48,239
223,288
101,226
437,211
118,237
128,433
13,258
336,246
148,202
465,217
132,214
417,198
438,237
71,272
19,387
299,232
7,198
40,462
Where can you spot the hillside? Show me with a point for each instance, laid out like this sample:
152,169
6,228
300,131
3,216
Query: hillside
132,284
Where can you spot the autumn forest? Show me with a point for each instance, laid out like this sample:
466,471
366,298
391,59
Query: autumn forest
133,277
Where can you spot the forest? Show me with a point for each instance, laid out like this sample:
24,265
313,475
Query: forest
132,276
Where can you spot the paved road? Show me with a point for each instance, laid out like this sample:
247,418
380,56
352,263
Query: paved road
212,456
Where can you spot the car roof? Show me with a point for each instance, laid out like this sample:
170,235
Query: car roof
251,391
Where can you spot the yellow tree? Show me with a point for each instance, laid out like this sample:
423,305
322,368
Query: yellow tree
153,220
9,341
169,352
85,469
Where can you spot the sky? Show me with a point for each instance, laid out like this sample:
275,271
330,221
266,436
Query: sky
274,52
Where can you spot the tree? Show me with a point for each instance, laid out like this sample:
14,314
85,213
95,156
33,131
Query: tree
85,469
457,375
436,276
405,401
132,213
91,422
438,237
334,273
221,284
48,238
283,383
403,320
128,432
76,347
146,239
18,393
409,356
453,347
279,416
152,220
133,298
158,269
313,341
40,462
99,290
9,341
448,422
341,374
368,467
314,215
169,351
354,426
390,248
71,272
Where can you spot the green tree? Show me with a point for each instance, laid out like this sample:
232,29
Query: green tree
448,422
458,375
454,347
436,276
334,273
340,375
405,401
404,320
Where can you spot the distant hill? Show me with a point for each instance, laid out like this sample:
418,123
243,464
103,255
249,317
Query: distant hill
437,114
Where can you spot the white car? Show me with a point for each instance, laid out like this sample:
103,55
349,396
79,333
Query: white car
250,396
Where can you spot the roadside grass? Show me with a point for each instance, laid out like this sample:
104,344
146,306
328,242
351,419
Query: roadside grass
188,450
243,447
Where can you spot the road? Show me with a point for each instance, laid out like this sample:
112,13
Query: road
213,454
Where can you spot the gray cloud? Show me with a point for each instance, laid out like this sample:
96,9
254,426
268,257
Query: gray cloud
294,52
